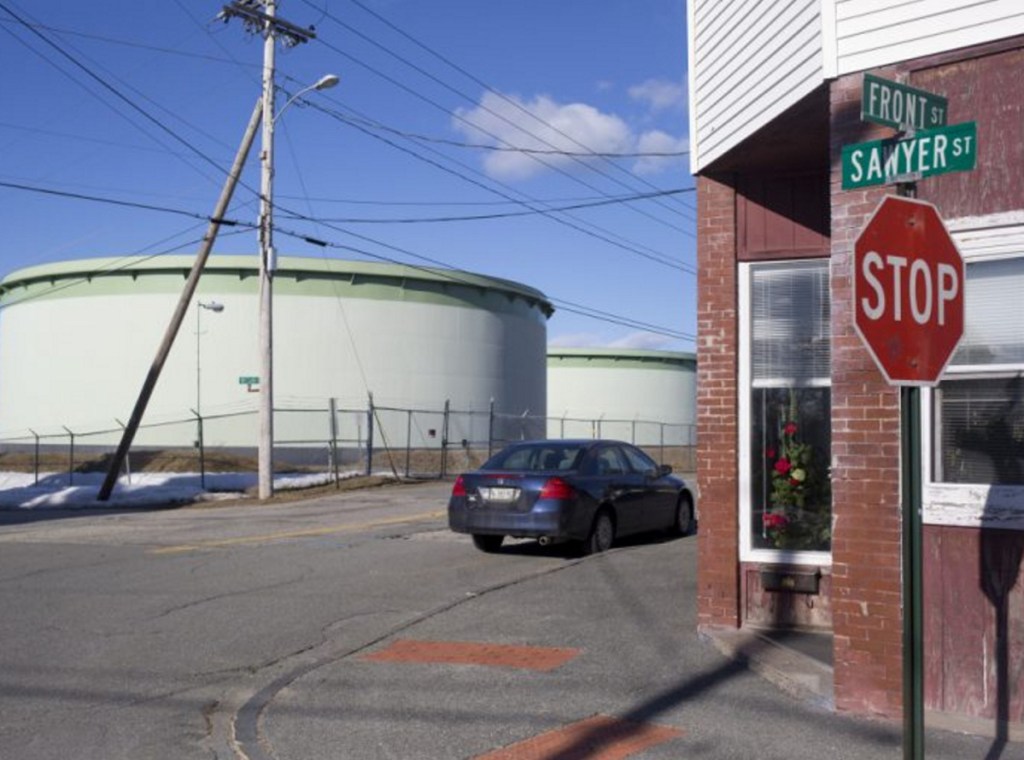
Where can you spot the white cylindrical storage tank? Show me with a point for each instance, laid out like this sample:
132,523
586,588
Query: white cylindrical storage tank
644,397
77,339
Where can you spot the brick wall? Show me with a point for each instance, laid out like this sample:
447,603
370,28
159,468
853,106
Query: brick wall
718,594
866,565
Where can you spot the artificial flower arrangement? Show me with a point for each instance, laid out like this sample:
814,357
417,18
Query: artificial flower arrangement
798,514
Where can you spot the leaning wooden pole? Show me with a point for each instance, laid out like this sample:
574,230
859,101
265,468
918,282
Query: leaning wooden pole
183,303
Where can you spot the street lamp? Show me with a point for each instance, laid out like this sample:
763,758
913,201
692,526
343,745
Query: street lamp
268,263
216,308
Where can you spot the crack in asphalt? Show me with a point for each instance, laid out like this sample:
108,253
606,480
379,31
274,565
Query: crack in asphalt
303,576
246,736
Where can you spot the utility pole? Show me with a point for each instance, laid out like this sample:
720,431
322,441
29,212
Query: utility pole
267,23
149,384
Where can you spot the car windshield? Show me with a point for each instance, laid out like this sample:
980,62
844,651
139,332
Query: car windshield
537,457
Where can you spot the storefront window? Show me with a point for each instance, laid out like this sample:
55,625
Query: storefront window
789,408
979,407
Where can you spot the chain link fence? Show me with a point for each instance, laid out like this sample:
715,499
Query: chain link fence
324,438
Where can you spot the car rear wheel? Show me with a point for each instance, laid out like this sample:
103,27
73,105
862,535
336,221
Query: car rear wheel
684,517
489,544
602,534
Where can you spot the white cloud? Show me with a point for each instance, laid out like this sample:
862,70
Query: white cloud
657,141
561,127
574,340
571,127
633,341
660,94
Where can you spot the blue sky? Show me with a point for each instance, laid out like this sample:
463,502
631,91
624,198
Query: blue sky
146,102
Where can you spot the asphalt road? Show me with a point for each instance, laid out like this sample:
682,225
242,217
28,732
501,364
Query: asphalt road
249,631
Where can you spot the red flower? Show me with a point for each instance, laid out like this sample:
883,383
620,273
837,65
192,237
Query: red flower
790,428
794,482
783,466
770,453
773,521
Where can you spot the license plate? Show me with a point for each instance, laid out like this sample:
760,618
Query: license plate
498,493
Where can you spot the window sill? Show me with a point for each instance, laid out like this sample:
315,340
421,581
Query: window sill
973,505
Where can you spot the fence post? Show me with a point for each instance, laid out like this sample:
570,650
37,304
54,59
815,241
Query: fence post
661,441
444,439
71,458
332,408
201,445
35,459
490,428
633,432
369,437
408,439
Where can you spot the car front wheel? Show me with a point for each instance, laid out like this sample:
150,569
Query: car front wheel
489,544
602,534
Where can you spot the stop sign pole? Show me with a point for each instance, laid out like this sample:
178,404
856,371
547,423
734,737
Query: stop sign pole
908,291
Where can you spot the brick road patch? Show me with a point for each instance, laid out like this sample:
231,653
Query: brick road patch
474,653
597,738
600,737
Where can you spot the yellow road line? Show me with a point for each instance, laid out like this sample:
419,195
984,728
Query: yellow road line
284,535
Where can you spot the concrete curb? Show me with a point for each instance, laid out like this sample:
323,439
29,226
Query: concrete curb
795,673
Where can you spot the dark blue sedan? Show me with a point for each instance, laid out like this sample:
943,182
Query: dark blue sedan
589,491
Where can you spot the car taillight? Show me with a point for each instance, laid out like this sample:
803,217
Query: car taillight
459,489
556,488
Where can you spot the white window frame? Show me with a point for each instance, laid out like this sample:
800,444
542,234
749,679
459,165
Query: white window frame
748,553
973,505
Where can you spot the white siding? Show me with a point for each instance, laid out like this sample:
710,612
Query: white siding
871,33
750,60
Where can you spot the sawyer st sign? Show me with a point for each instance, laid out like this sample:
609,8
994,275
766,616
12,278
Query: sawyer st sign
901,106
927,153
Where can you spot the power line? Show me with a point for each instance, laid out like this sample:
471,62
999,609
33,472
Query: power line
126,204
516,149
561,219
206,158
129,43
458,117
111,89
505,215
439,267
105,84
476,80
119,265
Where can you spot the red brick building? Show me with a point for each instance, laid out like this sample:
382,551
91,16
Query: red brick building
799,432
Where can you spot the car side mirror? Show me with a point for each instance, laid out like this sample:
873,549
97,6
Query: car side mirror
663,470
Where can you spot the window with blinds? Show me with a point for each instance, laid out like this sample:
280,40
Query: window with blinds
790,325
994,324
982,430
980,413
789,405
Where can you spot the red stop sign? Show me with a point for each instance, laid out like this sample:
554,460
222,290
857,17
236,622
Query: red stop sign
908,291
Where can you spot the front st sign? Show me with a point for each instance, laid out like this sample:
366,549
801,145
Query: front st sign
901,106
908,291
927,153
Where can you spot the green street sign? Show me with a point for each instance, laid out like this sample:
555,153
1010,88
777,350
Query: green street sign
901,106
927,153
248,380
